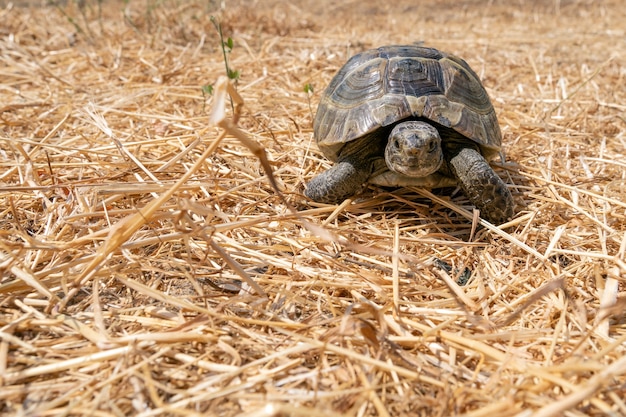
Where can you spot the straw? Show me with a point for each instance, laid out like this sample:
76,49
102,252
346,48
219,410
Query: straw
158,256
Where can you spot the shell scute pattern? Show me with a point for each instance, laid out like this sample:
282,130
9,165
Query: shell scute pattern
383,86
414,77
362,84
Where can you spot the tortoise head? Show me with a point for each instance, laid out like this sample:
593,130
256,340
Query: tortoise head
414,149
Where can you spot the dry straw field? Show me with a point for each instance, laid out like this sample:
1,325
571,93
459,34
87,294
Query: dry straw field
149,267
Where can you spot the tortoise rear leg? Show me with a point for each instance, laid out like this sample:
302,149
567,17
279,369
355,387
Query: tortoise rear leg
343,180
484,188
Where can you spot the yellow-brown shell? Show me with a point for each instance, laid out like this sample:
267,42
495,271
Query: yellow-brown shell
380,87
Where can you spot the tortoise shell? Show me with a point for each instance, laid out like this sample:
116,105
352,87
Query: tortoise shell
381,87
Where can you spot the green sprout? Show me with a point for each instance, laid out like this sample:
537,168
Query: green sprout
227,47
308,90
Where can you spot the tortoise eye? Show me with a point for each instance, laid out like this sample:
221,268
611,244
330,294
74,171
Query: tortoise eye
432,145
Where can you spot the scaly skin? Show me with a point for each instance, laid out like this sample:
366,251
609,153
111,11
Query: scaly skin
342,181
482,186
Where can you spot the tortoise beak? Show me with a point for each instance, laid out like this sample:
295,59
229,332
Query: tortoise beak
415,166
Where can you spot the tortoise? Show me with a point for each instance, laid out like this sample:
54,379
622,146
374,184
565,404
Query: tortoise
406,115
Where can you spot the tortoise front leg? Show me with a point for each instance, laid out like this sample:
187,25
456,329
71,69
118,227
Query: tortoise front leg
484,188
342,181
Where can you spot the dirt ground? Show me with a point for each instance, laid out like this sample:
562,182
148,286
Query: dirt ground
149,267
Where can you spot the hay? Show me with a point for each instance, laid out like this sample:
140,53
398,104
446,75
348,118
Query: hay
149,267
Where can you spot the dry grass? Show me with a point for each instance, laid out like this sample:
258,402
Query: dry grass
140,278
